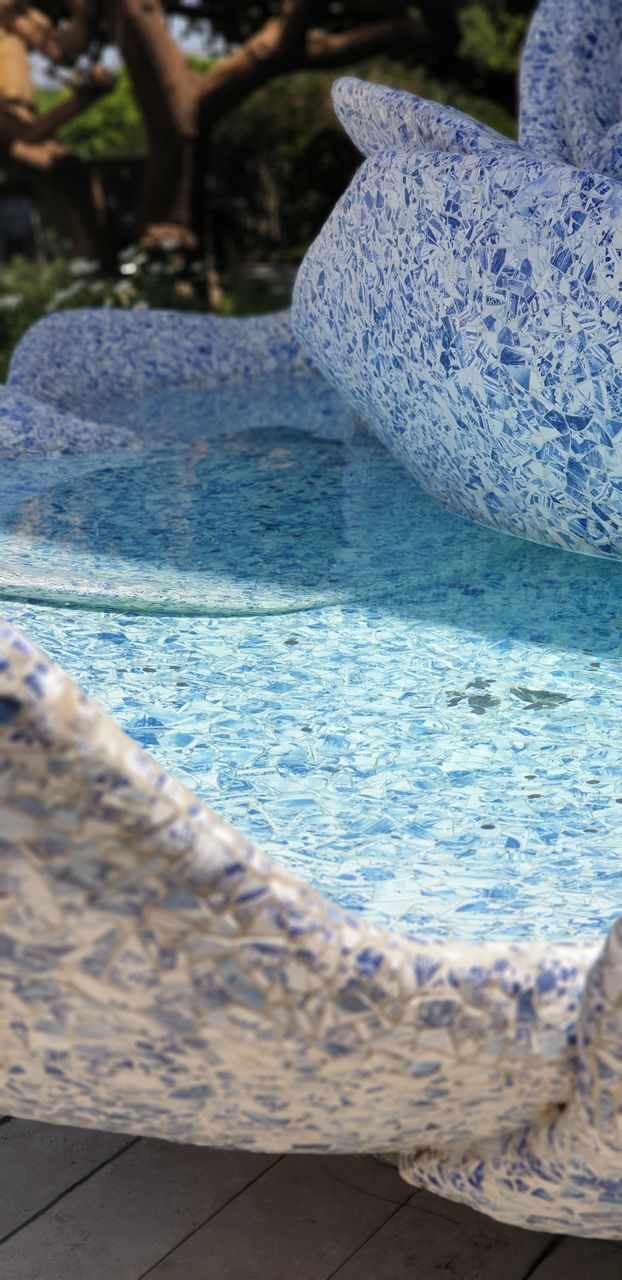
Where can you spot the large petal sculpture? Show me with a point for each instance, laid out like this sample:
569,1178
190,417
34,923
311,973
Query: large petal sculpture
465,293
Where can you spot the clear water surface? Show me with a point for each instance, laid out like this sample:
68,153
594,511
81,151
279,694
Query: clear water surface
420,716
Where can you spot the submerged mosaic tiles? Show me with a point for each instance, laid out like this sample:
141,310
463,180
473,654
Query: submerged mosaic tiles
157,972
430,745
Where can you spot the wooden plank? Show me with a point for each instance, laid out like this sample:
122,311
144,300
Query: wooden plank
38,1162
125,1218
298,1222
582,1260
429,1237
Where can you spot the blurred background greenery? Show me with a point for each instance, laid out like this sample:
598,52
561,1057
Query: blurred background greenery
183,153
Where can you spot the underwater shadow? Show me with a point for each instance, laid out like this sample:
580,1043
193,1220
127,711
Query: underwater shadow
274,520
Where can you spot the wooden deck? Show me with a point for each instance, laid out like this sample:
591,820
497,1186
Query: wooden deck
76,1205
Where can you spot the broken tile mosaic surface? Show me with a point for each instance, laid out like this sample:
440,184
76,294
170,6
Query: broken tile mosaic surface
464,294
430,744
452,708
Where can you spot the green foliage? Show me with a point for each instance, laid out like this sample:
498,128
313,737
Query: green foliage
25,289
30,290
111,128
492,35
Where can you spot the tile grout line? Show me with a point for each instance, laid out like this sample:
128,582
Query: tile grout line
372,1195
547,1252
68,1190
531,1274
210,1217
333,1275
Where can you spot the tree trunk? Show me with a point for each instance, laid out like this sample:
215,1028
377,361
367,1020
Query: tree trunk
180,107
168,196
69,189
167,92
77,202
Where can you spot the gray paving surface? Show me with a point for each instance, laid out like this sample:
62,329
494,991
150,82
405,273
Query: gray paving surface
81,1205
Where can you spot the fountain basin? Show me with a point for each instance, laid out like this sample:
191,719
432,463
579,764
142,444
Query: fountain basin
397,928
417,747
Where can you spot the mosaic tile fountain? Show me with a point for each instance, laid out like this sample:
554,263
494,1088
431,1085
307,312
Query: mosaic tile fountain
387,931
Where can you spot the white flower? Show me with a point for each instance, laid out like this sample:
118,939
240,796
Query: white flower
134,255
10,301
83,267
62,295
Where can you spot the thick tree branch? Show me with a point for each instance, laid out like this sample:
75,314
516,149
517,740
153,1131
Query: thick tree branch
267,55
41,156
63,44
40,129
296,19
336,49
165,86
280,45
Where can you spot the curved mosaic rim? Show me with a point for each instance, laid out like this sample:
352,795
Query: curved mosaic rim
147,951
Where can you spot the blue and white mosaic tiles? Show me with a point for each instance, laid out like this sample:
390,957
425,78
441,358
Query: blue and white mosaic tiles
570,85
429,744
124,368
465,297
415,718
160,975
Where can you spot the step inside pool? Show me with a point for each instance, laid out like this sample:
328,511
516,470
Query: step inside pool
420,716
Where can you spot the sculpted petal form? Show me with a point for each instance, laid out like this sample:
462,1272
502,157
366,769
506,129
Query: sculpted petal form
465,297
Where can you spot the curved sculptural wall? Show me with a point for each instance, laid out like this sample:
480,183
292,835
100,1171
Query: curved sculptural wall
465,297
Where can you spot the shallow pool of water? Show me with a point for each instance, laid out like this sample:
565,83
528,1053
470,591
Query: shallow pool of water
420,716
